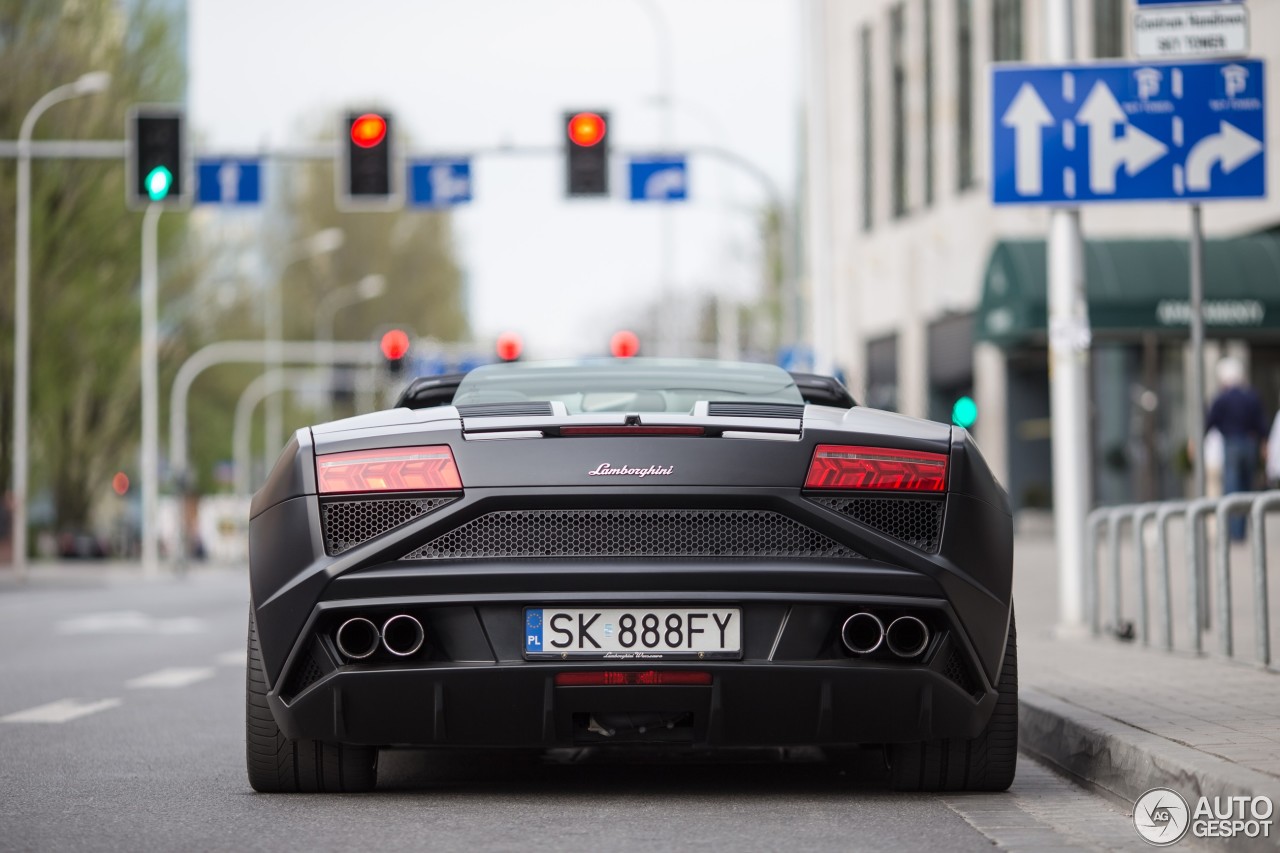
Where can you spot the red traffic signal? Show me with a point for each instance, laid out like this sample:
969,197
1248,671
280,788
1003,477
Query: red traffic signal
395,344
586,129
509,346
624,344
368,130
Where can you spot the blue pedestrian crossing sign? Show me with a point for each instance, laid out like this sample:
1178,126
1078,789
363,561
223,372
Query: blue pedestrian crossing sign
228,180
1128,132
439,182
664,178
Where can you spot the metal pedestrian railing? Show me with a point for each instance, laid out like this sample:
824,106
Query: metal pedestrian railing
1157,517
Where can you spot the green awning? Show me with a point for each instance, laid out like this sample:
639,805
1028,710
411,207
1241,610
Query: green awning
1136,286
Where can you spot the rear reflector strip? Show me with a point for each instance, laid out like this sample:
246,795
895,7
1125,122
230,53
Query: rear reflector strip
389,469
611,678
838,467
632,430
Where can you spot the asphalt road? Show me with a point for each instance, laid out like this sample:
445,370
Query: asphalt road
121,728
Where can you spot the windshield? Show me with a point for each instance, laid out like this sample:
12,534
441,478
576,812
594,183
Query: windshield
628,385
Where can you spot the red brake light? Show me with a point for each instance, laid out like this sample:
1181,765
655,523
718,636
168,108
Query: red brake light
632,430
610,678
390,469
837,467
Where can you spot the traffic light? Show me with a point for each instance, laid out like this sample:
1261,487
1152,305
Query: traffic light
395,346
587,153
368,175
624,344
964,413
157,157
509,346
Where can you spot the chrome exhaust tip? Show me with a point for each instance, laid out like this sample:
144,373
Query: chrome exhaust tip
357,638
862,633
907,636
402,635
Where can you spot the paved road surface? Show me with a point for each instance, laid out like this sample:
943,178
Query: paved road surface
121,728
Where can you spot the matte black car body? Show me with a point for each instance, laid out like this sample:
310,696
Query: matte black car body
316,561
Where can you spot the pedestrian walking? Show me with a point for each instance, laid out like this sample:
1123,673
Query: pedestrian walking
1237,413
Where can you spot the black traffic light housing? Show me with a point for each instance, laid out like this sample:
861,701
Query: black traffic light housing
156,138
369,170
586,150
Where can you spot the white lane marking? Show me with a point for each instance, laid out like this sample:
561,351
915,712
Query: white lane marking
176,676
62,711
232,658
130,622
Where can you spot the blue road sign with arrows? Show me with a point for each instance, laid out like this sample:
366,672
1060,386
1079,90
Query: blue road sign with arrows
228,180
439,182
664,178
1128,132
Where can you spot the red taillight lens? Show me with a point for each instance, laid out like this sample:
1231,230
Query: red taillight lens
390,469
838,467
610,678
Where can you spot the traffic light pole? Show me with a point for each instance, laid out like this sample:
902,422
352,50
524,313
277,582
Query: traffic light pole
151,392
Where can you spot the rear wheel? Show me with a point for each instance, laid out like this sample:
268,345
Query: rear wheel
984,763
277,764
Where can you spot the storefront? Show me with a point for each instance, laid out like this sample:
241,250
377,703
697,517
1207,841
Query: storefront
1139,314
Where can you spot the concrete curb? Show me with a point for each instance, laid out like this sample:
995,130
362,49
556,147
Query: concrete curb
1125,761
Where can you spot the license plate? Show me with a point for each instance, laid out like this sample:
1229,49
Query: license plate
633,633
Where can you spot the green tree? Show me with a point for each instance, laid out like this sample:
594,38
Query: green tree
84,247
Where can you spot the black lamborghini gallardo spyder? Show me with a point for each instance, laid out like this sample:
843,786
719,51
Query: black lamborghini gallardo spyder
690,554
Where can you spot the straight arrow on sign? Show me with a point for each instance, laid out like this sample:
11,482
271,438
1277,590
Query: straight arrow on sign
1028,116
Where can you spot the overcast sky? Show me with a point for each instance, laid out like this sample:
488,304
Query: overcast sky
464,75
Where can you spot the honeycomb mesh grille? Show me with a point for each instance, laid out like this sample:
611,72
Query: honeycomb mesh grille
956,670
916,521
350,523
632,533
305,674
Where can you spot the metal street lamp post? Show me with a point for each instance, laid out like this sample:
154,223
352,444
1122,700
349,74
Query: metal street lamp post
87,84
319,243
370,287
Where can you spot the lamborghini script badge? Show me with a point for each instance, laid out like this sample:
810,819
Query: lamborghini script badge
604,469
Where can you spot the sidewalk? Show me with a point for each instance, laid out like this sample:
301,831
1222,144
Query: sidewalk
1128,718
87,573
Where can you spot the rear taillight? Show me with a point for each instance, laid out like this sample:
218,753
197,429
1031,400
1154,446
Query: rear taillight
838,467
390,469
609,678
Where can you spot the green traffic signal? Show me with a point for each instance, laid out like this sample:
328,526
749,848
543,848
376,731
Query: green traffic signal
964,412
159,180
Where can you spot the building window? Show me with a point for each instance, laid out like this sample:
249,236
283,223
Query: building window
898,72
882,373
928,102
1006,30
964,94
1108,28
868,167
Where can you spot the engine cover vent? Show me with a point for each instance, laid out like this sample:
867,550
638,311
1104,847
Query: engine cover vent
756,410
534,409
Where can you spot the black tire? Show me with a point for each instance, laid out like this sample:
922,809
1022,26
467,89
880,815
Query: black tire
984,763
279,765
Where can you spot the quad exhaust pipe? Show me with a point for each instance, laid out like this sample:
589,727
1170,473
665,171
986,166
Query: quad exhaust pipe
864,632
401,635
357,638
906,636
